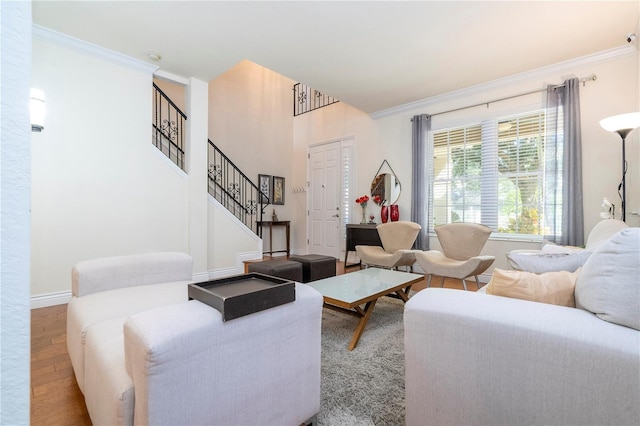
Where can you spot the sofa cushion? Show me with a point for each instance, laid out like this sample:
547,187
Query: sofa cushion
555,248
552,257
551,287
609,283
109,393
602,231
547,262
108,273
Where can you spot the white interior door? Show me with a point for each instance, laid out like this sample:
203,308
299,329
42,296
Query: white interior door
324,199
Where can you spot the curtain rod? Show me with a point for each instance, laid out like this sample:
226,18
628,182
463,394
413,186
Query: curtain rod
583,80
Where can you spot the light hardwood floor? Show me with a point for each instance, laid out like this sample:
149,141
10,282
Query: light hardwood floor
55,396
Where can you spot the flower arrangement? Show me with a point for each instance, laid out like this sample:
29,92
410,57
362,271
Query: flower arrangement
377,199
363,201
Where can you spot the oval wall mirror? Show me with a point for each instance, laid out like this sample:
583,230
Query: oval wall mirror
385,189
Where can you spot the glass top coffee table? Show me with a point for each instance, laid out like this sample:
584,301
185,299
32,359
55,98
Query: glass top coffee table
348,292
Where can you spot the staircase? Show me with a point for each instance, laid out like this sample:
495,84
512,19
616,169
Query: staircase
234,190
306,99
227,184
168,127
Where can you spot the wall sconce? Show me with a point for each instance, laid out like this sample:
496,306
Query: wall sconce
36,108
622,124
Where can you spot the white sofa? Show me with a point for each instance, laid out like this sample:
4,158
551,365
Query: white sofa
143,354
481,359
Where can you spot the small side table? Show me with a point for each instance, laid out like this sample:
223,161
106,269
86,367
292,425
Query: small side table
361,235
271,225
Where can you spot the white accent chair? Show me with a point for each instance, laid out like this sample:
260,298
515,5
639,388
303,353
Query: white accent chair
461,244
397,239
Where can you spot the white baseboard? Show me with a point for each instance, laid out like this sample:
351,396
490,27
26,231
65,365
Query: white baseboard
50,299
63,297
200,277
225,272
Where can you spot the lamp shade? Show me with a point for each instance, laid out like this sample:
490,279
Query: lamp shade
620,122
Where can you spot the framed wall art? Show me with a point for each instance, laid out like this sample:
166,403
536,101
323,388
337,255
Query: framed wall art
264,184
278,190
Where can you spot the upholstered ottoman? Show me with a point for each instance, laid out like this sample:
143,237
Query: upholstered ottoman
286,269
316,266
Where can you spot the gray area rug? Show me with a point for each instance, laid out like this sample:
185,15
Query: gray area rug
364,386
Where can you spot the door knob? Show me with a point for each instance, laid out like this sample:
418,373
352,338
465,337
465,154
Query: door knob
336,215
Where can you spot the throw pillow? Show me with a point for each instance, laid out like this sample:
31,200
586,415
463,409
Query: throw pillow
553,248
555,288
547,262
609,284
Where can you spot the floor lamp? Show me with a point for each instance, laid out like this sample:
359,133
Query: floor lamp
622,124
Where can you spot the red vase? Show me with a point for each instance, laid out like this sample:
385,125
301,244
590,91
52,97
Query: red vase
384,213
395,213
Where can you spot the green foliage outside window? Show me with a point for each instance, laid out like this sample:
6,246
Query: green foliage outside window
520,162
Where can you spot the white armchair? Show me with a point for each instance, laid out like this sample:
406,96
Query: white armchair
460,257
397,239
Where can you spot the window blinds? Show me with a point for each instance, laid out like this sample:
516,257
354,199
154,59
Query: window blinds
492,173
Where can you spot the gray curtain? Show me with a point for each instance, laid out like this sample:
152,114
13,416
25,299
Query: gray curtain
422,152
564,221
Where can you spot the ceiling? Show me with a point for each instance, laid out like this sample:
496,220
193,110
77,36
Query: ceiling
373,55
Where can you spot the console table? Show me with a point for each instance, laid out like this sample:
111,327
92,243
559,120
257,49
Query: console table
361,235
271,225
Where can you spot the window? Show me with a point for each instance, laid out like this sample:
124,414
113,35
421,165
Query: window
491,172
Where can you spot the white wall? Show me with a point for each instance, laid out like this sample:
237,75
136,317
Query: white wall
613,92
15,150
99,187
336,122
174,91
230,243
251,121
388,134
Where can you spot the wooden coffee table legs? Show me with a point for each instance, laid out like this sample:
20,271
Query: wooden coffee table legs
364,318
365,314
356,311
404,294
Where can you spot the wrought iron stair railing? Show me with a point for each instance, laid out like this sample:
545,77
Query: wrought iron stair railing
306,99
234,190
168,127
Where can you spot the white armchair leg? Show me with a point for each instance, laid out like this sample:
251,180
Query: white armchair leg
477,281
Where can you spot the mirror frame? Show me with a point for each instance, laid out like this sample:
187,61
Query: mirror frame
375,182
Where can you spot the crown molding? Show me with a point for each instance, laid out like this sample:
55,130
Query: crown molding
559,68
82,46
172,78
